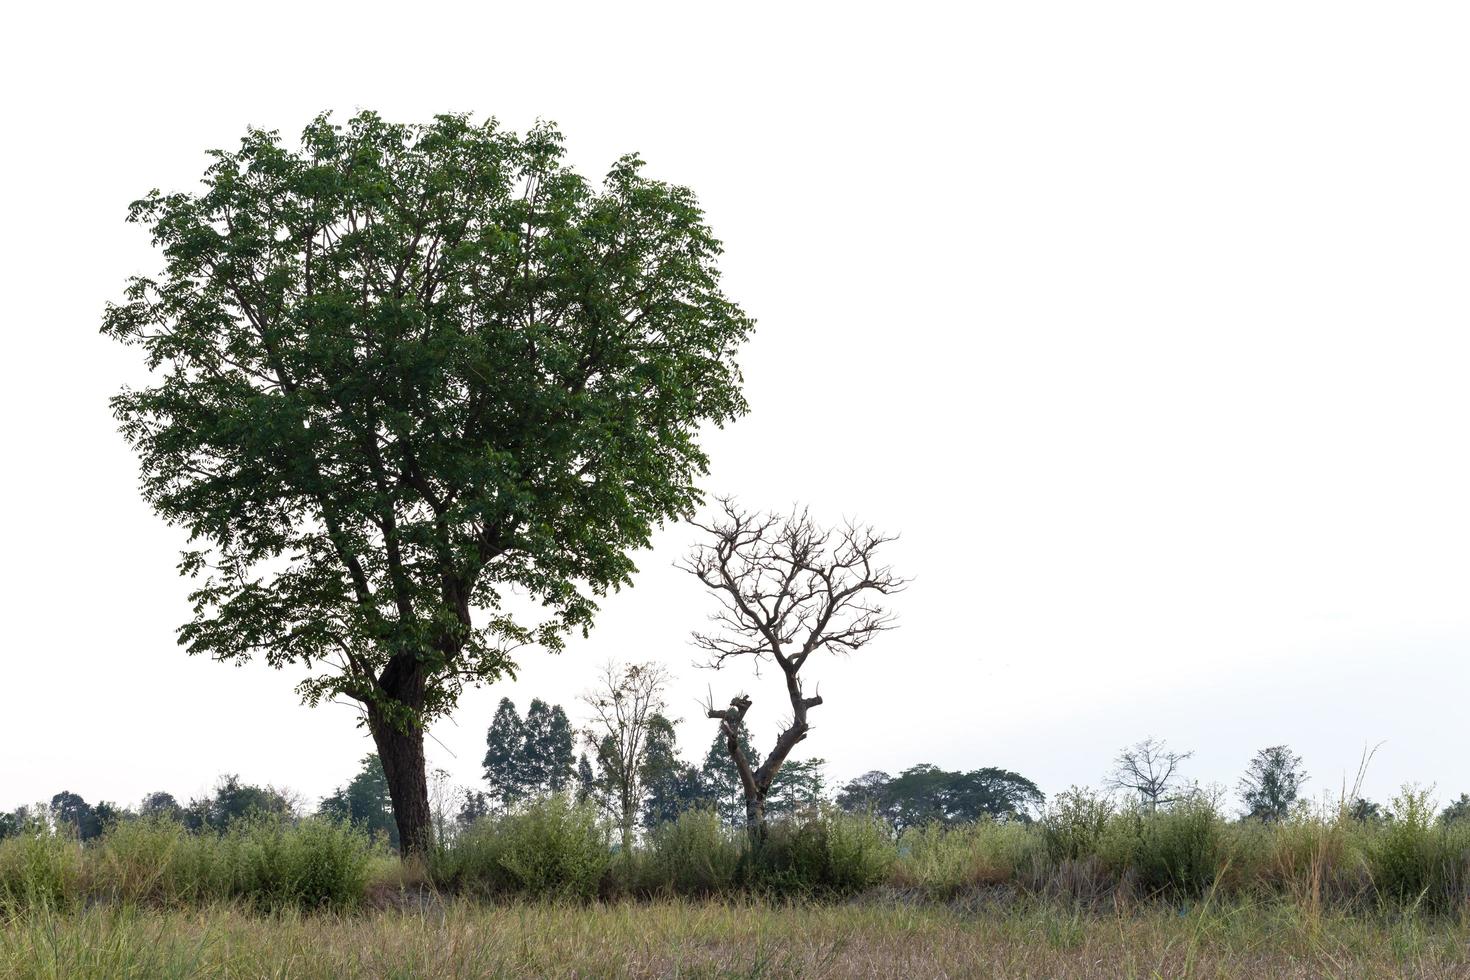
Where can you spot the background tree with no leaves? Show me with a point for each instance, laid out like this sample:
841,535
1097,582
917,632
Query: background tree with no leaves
402,370
1149,769
627,714
787,589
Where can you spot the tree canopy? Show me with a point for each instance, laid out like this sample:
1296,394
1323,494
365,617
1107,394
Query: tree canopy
403,371
364,801
925,794
526,757
1272,782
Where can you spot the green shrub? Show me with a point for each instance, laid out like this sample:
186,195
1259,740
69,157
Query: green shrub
551,848
471,863
826,853
555,848
792,860
316,863
1405,856
942,860
1180,849
136,862
40,868
1074,825
860,852
693,855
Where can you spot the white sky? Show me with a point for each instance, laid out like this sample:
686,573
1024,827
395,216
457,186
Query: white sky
1144,324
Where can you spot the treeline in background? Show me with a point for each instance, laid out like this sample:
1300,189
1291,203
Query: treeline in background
550,821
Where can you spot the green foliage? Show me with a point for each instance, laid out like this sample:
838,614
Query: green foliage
860,852
76,816
1404,857
39,868
828,853
161,805
365,802
551,847
926,794
531,757
403,369
586,781
1459,809
696,854
548,749
1272,783
1364,811
671,786
313,864
1082,849
143,861
234,801
942,859
1179,849
502,764
1074,825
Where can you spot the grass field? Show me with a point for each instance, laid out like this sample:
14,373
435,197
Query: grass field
1087,891
870,938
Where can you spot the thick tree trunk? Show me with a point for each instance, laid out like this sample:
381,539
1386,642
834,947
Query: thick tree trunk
402,754
757,783
755,818
401,750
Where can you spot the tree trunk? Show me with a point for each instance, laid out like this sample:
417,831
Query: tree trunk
625,821
402,754
755,818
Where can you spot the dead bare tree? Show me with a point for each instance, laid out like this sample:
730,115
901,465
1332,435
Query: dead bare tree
787,589
623,706
1147,769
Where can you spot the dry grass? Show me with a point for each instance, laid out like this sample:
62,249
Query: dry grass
712,939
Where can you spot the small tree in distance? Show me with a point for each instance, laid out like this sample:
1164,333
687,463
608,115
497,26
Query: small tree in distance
1458,809
626,708
788,589
1272,782
1148,769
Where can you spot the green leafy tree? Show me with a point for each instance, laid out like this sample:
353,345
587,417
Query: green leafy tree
925,794
76,815
109,815
586,780
991,792
402,370
503,761
799,785
1457,810
548,753
670,785
233,801
161,805
1364,810
865,794
531,756
474,806
365,802
1272,783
